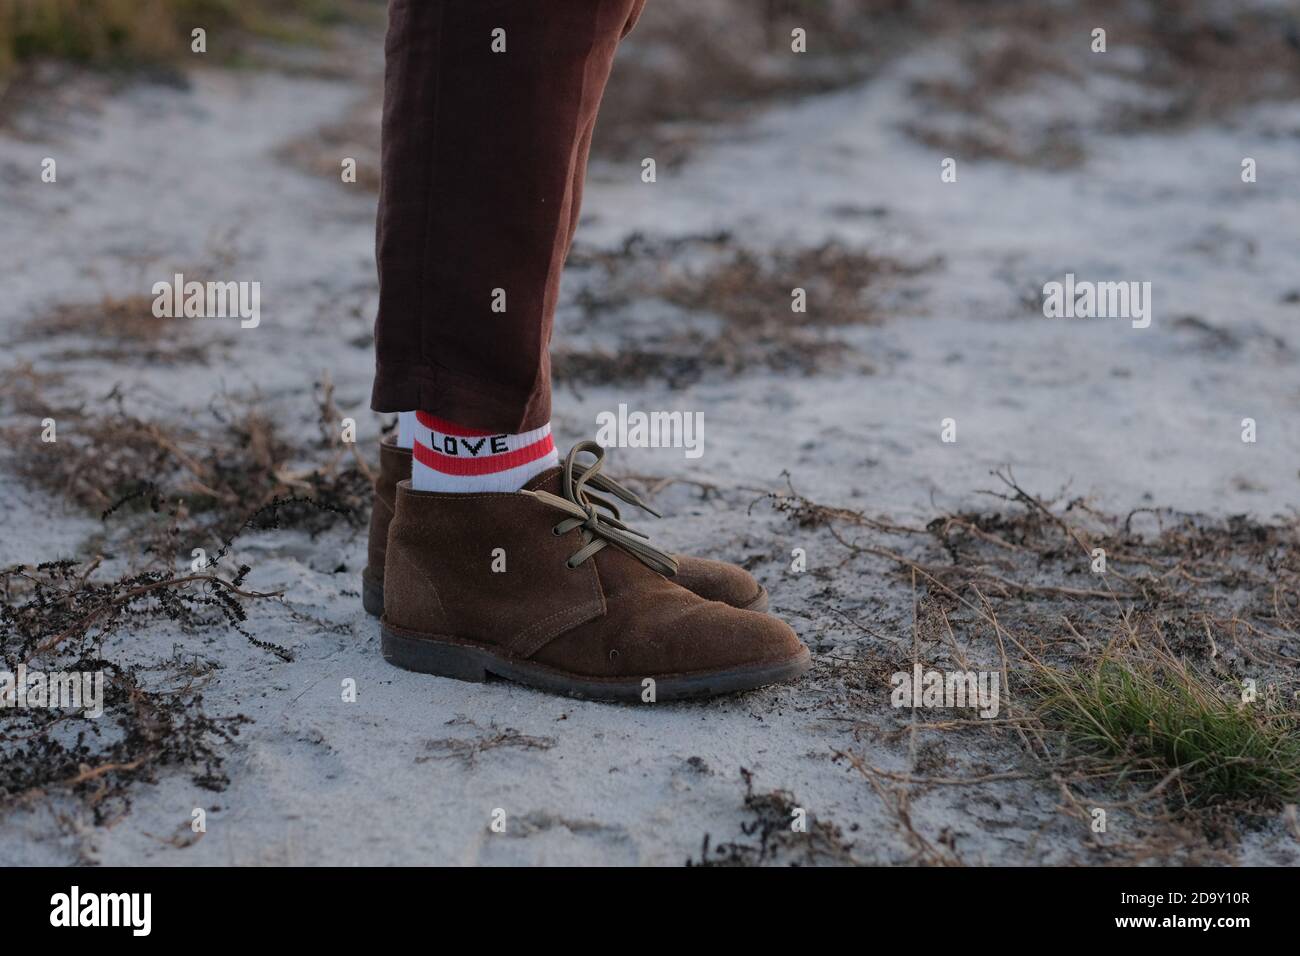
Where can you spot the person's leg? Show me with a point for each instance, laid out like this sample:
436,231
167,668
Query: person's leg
469,204
484,152
584,149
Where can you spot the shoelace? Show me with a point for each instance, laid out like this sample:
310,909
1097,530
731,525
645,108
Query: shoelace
600,530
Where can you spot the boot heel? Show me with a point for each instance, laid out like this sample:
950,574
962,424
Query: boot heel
432,657
372,597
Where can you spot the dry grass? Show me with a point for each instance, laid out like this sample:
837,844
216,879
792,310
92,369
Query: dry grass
191,481
100,31
120,326
690,64
1122,689
726,308
57,617
160,490
356,136
752,292
1169,64
116,329
209,472
469,750
131,33
686,68
768,838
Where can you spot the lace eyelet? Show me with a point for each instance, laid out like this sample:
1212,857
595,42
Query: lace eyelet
555,530
570,565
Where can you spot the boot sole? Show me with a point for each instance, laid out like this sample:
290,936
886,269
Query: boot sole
372,597
447,658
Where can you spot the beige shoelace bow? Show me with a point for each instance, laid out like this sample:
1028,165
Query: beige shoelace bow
598,529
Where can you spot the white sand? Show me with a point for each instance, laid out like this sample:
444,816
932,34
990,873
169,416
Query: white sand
1131,417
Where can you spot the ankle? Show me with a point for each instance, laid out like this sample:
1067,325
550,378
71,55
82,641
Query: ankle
447,457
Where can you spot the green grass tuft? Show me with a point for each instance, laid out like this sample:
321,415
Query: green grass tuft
128,33
1157,717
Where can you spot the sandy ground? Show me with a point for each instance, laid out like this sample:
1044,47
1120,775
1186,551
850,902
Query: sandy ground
153,178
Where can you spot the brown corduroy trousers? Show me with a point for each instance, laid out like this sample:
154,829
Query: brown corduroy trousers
484,155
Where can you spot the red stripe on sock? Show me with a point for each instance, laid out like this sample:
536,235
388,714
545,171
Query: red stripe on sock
449,428
455,465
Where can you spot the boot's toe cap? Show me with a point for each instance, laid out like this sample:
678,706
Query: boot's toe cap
764,639
716,636
717,581
678,634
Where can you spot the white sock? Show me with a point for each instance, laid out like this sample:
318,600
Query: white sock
447,457
406,426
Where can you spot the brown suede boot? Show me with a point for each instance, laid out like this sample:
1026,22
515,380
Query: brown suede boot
712,580
543,587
